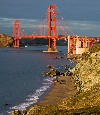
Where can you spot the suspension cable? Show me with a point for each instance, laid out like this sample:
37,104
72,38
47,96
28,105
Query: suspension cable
66,25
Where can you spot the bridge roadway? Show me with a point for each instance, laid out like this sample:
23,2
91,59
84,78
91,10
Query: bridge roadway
83,39
45,37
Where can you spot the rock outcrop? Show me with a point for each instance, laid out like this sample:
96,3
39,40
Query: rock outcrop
87,72
5,41
52,72
87,76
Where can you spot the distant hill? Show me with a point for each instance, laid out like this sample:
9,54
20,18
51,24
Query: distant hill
32,42
6,41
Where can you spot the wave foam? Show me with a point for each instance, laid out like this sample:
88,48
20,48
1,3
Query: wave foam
33,98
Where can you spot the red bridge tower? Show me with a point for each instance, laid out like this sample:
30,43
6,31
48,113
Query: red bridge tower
16,33
52,29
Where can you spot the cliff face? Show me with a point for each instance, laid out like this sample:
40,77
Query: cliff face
87,76
5,41
87,72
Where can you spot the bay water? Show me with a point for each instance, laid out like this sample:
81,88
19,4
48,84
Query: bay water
22,82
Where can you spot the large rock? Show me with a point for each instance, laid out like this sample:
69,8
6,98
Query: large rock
52,72
17,112
49,66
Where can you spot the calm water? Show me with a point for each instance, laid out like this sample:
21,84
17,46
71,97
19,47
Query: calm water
21,75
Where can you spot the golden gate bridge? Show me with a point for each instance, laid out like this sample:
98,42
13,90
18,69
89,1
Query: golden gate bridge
75,44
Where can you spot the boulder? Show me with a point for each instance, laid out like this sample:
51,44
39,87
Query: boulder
16,112
52,73
49,66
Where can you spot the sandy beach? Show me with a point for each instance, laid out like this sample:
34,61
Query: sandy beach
63,88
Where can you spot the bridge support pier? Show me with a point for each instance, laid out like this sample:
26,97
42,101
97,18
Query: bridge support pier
16,43
71,44
68,44
52,45
77,45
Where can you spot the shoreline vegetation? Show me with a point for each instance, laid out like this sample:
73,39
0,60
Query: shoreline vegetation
77,93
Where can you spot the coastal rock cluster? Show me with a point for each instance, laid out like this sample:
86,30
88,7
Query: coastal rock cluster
5,41
52,72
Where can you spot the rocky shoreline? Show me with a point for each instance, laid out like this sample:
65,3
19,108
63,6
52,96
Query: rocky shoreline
62,84
77,94
63,87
